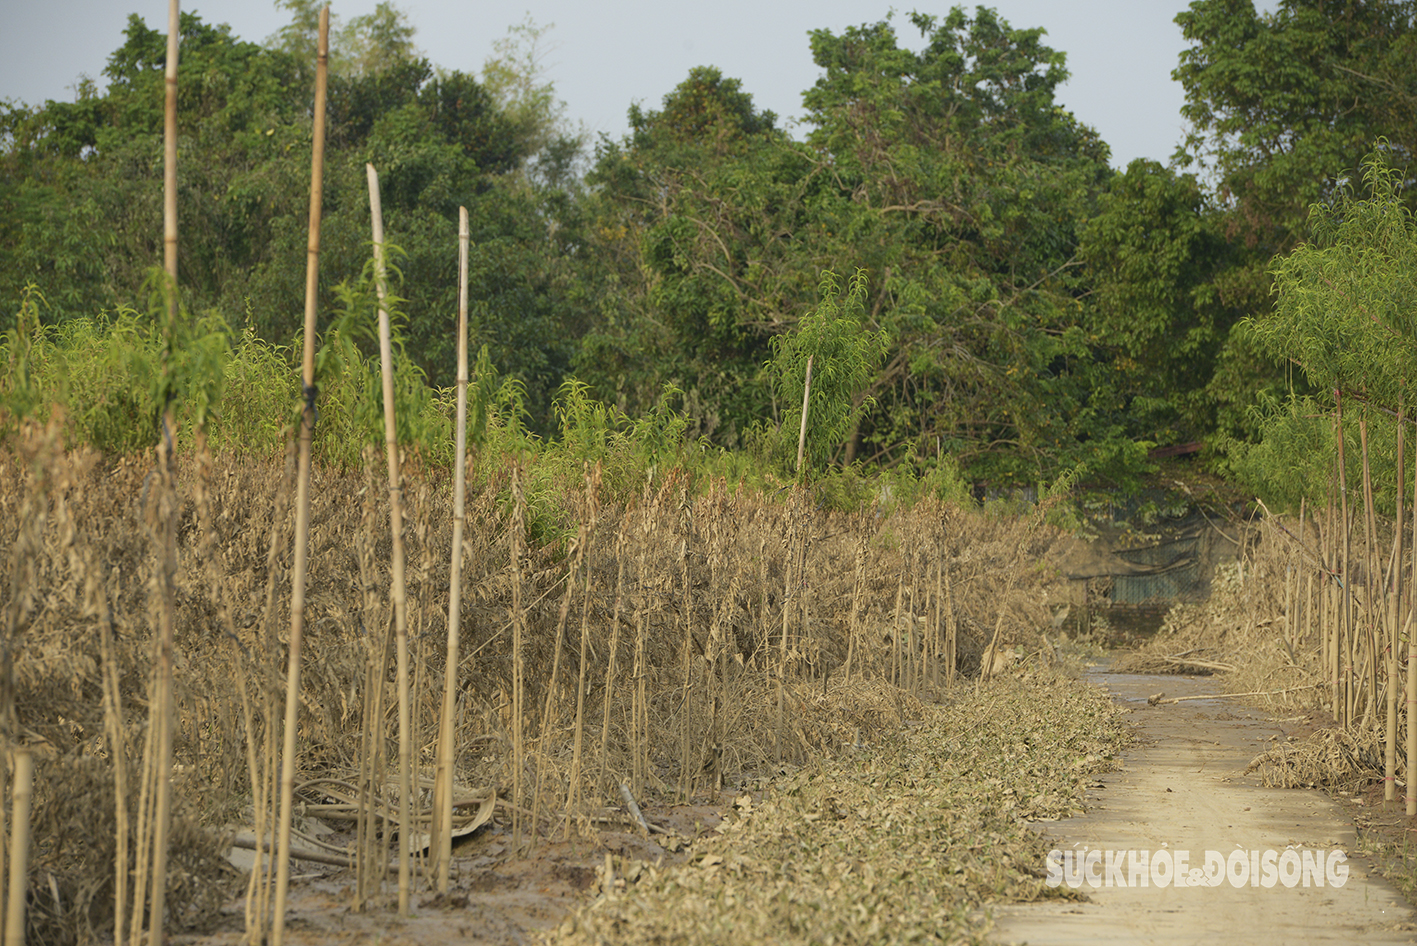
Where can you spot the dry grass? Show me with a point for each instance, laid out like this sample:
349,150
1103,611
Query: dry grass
715,624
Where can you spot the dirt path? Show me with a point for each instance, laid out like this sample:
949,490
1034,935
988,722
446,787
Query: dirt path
1184,788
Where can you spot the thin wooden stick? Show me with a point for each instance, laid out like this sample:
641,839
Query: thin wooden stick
302,490
1345,612
802,434
163,708
397,592
443,791
1158,701
1411,787
573,792
1394,639
20,794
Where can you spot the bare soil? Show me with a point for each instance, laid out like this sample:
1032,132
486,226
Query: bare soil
495,896
1184,786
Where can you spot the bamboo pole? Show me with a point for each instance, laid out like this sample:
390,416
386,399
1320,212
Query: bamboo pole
1330,610
1373,633
518,540
573,791
302,488
443,790
686,714
788,560
613,657
547,709
169,152
802,433
386,366
1411,694
21,793
858,581
1345,615
1394,605
163,706
118,753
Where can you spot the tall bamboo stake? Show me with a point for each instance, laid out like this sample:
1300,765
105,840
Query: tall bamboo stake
547,724
1373,635
610,665
1345,611
1330,615
169,152
573,793
788,559
164,709
443,789
21,793
858,581
302,488
1393,608
686,713
1411,791
386,367
518,545
118,753
639,704
802,434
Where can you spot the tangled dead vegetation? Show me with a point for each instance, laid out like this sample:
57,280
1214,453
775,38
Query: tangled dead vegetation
1242,635
1329,758
677,640
1259,636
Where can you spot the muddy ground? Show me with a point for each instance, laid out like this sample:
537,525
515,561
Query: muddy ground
1182,785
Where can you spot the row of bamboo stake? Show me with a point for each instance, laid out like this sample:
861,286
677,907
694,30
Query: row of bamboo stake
916,659
1354,606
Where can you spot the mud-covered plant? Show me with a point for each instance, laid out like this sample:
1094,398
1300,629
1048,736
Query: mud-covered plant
20,394
193,357
842,355
348,376
659,434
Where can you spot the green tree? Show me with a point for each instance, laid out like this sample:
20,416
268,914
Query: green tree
1282,107
1344,311
1343,317
950,175
81,185
832,349
1153,252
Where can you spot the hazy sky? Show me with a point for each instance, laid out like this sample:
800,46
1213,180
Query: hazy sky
606,55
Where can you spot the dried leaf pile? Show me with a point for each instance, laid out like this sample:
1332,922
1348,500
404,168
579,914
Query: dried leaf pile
906,840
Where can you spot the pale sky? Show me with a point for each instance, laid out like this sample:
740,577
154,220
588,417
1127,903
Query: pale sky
606,55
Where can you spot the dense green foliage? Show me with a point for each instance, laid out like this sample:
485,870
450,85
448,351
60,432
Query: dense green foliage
1344,319
81,192
950,176
1020,308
